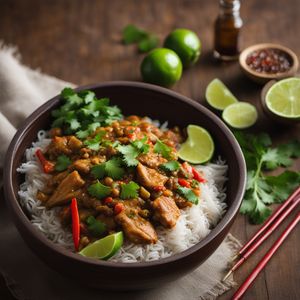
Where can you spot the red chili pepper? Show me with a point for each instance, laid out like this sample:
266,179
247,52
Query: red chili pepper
197,176
159,188
75,223
131,136
184,183
48,166
119,207
108,200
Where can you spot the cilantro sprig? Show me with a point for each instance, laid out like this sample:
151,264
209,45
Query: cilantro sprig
81,113
99,190
112,168
188,194
129,190
170,166
262,190
146,41
62,163
161,148
132,151
96,227
94,143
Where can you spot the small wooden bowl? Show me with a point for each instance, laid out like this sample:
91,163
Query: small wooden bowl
263,78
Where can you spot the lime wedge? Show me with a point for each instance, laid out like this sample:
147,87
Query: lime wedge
283,98
198,147
240,115
218,95
104,248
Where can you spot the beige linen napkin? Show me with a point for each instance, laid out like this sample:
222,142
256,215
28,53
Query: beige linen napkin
21,91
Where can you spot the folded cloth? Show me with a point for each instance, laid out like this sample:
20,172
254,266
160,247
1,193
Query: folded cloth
23,90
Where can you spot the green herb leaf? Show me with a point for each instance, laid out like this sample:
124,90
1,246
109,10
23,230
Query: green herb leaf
162,149
130,153
148,43
99,190
129,190
263,190
113,168
133,34
188,194
94,144
62,163
170,166
98,171
96,227
90,129
142,145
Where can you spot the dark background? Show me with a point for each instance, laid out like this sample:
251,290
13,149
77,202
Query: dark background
79,41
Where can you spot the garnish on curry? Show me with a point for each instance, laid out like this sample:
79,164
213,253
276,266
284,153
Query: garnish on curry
119,173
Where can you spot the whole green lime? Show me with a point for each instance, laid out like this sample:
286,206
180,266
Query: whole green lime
161,66
186,44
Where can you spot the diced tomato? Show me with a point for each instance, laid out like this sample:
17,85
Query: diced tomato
108,200
184,182
119,207
159,188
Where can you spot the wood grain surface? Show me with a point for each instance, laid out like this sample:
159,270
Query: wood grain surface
79,41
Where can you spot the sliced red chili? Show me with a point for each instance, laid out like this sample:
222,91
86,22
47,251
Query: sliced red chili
119,207
184,182
75,223
108,200
197,176
47,165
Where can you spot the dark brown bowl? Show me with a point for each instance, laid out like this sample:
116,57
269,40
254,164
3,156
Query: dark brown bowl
140,99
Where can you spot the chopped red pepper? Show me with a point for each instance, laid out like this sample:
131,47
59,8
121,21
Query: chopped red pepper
108,200
119,207
159,188
184,182
75,223
197,176
47,165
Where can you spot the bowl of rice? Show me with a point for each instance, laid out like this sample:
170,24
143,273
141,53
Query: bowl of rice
199,229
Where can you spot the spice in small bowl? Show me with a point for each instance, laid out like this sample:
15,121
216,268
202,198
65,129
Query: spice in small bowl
264,62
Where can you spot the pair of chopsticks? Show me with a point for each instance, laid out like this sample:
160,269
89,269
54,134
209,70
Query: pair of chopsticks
270,225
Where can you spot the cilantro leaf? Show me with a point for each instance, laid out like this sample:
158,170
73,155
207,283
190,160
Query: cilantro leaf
142,145
162,149
94,144
262,190
90,129
129,190
130,153
170,166
62,163
148,43
99,190
187,194
96,227
113,168
98,171
132,34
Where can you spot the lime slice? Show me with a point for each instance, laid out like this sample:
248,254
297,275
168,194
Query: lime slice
283,98
240,115
199,146
104,248
218,95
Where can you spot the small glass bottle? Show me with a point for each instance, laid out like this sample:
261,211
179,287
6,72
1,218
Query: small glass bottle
227,30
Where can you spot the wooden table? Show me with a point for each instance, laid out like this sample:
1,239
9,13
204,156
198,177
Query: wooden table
79,41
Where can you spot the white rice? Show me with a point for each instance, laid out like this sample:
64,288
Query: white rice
193,225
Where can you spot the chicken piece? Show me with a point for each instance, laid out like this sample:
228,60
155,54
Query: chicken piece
74,143
152,160
58,146
82,165
67,189
150,178
181,202
166,211
137,229
55,180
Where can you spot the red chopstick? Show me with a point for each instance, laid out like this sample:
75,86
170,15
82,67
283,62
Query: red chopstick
243,288
268,232
270,220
